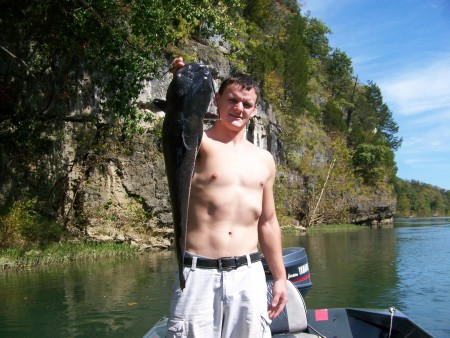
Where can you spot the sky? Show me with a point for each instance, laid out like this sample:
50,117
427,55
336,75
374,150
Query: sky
403,46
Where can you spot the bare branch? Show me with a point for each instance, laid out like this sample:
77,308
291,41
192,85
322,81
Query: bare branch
313,215
15,57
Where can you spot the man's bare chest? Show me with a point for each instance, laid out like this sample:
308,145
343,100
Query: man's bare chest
231,169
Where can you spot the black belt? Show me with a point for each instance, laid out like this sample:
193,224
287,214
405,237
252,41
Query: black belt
224,263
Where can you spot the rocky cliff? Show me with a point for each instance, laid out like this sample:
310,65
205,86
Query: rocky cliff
108,188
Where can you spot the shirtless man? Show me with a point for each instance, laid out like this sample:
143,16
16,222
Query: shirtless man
231,210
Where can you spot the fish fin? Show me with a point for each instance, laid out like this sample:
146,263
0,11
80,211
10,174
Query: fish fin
189,143
192,132
160,104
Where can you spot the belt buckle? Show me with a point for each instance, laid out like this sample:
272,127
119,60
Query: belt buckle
221,267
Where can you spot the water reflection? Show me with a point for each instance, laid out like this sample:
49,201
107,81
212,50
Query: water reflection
353,269
421,221
109,298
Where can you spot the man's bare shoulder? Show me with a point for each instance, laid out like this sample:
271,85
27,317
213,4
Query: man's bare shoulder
261,151
206,140
263,156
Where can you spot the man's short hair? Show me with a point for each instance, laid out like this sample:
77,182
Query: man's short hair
242,79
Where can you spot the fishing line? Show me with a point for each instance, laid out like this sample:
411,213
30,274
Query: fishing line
171,69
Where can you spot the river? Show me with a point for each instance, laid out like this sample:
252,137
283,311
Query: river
406,266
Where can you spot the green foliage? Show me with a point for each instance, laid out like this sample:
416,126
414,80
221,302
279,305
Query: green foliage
332,117
372,162
415,198
62,253
276,52
334,182
65,61
317,176
350,108
374,116
296,74
334,228
80,65
23,224
339,69
138,215
53,51
316,38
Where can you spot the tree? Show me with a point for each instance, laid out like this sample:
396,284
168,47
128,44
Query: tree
296,73
417,198
371,162
339,70
332,117
383,120
316,40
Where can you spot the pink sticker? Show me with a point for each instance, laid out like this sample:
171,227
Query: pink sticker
321,315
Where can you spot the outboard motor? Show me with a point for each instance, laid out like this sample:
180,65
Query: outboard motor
297,268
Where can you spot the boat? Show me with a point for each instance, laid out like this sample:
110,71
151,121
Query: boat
295,321
367,323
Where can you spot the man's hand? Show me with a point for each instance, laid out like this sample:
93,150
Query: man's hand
279,299
177,64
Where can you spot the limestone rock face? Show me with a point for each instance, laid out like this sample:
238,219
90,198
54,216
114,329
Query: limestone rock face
125,198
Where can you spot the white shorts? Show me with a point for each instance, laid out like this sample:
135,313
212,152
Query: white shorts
220,303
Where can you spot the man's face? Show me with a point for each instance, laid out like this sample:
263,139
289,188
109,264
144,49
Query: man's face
236,106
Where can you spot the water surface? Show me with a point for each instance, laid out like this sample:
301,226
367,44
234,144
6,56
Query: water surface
405,267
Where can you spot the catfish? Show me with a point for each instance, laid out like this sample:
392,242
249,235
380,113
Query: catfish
186,107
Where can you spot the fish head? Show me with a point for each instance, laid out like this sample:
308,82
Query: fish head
192,89
189,98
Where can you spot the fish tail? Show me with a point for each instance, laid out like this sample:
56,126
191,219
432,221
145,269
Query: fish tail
181,278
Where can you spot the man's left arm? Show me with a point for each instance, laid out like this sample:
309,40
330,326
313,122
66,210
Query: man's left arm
269,235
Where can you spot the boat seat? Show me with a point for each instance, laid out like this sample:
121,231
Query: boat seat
291,322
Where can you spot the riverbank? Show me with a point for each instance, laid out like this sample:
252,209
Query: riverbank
67,252
289,229
63,253
337,228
